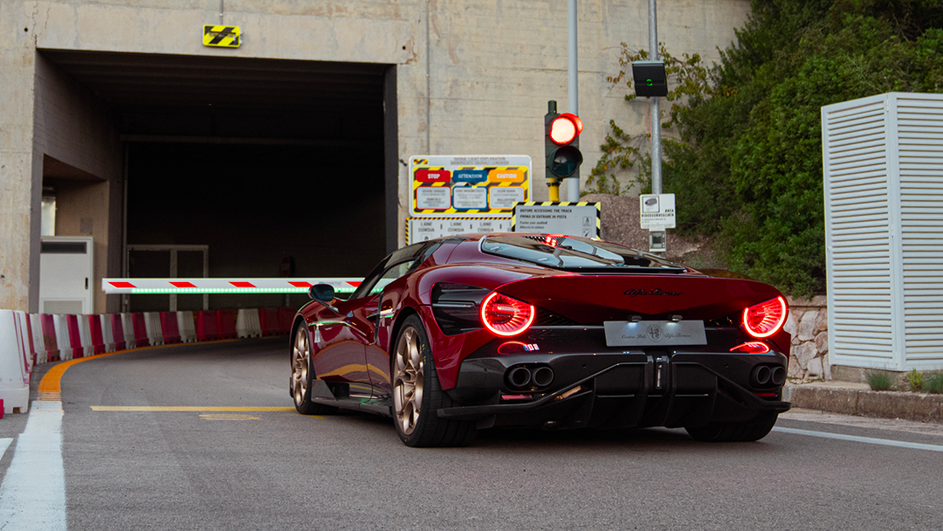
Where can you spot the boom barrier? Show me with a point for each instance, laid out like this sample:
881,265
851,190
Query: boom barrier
179,286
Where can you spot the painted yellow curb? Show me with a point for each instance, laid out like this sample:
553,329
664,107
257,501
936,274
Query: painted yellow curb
49,386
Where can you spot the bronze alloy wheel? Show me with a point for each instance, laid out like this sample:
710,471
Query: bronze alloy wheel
407,380
417,394
300,362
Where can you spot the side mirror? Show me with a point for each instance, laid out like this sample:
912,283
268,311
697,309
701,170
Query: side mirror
322,293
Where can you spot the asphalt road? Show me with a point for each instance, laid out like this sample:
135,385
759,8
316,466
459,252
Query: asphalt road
247,467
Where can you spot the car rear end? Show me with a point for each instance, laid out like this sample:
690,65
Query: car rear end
631,348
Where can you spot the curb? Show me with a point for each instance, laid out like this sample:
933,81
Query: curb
920,407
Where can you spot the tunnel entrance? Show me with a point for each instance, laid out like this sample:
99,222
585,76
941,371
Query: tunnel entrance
277,166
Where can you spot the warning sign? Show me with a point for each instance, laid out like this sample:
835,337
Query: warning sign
224,36
469,185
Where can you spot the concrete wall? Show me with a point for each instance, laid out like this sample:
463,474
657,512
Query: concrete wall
472,76
20,170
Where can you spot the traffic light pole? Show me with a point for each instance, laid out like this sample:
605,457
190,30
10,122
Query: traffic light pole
573,189
656,107
553,184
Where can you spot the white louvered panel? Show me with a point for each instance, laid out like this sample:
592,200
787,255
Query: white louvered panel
921,203
860,306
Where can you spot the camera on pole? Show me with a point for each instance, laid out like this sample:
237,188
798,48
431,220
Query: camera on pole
650,79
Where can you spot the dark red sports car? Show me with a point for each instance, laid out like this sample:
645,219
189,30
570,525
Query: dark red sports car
455,335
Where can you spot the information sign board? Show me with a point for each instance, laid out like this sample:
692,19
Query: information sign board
573,219
657,211
422,229
468,185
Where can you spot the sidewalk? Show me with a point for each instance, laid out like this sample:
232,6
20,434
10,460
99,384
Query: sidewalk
848,398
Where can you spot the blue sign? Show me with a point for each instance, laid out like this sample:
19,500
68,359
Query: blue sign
470,176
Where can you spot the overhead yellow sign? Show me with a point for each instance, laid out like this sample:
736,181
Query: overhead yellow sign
225,36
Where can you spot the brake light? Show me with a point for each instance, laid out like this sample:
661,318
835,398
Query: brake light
765,319
505,316
751,347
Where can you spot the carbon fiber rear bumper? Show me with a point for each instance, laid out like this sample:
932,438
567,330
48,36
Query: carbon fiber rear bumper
617,390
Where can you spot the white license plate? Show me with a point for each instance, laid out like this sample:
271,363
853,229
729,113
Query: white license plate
654,333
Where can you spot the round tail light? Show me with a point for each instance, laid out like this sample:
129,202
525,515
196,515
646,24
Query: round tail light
505,316
765,319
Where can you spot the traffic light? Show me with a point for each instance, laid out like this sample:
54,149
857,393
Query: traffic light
562,143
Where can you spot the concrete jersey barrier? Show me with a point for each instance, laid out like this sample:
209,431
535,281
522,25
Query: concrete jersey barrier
14,370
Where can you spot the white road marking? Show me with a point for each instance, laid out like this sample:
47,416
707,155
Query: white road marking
4,444
868,440
32,495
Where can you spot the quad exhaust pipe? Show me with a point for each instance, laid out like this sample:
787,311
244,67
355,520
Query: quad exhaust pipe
526,377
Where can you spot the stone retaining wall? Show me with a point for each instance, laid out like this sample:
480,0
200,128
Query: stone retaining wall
808,324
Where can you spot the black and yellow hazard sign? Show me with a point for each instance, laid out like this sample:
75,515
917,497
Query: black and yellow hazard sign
225,36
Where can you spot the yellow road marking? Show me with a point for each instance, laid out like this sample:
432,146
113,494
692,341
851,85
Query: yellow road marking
50,385
217,416
191,408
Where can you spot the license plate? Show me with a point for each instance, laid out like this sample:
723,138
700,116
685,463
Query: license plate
654,333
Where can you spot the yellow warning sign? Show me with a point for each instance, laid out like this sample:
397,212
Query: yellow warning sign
224,36
468,185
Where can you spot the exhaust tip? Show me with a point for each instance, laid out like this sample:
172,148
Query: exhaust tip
761,375
543,376
518,377
778,376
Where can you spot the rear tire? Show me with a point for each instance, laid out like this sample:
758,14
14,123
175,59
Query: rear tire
418,395
740,432
303,378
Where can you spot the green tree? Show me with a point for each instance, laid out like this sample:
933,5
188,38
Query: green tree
747,164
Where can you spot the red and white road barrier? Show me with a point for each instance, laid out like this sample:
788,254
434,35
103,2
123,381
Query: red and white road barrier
226,324
26,340
50,337
63,338
155,336
160,286
97,334
39,344
247,323
14,368
114,321
186,326
168,327
207,327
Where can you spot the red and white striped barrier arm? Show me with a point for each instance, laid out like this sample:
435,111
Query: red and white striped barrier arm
164,286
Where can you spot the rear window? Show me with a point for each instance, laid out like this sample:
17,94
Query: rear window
576,254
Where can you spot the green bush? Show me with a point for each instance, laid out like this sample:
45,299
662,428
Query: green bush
934,383
915,379
879,380
746,163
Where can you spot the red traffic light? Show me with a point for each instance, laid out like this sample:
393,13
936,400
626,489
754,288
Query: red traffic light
565,128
